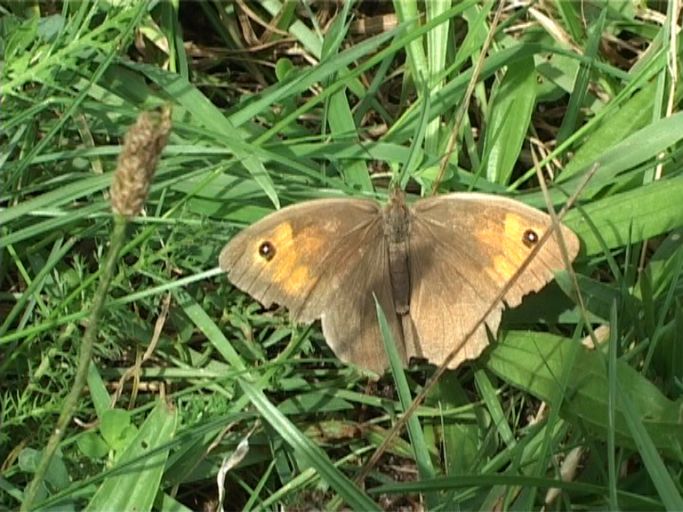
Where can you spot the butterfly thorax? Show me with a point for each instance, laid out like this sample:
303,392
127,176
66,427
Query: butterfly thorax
396,233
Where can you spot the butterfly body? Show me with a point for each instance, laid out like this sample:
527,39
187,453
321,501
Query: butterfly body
396,217
435,267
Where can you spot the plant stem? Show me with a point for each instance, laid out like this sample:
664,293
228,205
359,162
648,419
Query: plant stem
85,355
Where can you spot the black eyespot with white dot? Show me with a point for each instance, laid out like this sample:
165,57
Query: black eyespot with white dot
530,238
266,250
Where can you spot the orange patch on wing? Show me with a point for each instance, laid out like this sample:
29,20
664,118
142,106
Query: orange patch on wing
298,281
503,267
294,252
510,250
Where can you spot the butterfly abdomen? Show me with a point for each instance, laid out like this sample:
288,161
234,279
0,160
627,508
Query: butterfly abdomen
396,218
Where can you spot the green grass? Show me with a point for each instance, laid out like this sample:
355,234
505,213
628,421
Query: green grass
311,109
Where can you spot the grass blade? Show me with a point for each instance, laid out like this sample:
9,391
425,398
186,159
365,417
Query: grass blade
347,490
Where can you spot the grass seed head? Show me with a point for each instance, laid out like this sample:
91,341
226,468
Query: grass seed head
142,145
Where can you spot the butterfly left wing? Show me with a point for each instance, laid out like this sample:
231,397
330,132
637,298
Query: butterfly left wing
321,259
464,248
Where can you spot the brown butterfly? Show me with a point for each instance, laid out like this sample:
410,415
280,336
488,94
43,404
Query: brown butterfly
435,267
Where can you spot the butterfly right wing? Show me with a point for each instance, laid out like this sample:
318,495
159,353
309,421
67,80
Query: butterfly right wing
464,248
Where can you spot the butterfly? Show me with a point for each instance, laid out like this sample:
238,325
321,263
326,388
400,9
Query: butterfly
435,267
